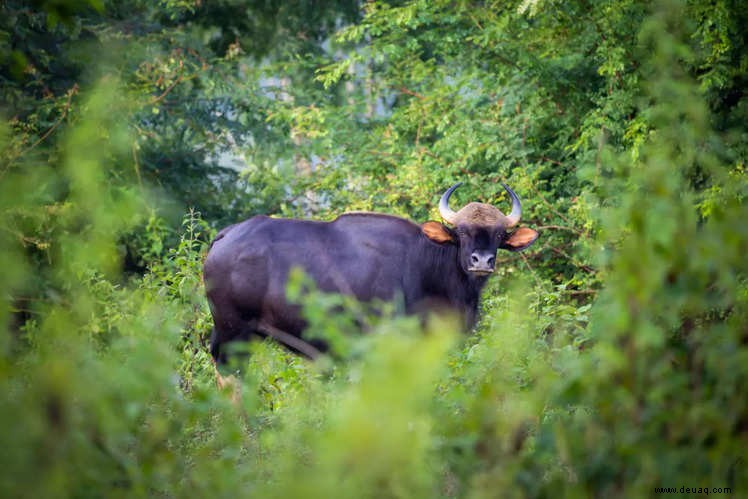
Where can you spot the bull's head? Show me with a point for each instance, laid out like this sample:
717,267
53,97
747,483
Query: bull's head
479,230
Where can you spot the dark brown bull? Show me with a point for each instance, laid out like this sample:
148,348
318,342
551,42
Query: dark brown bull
366,255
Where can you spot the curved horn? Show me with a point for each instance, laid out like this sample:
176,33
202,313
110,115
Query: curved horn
447,214
513,218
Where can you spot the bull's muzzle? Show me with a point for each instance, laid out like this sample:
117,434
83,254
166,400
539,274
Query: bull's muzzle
482,263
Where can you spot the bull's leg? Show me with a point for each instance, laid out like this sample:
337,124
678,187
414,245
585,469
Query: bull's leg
222,358
229,343
215,348
226,336
230,381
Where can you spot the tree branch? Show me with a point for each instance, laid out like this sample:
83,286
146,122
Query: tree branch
66,108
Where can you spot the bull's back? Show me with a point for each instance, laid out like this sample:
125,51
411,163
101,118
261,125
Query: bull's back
356,255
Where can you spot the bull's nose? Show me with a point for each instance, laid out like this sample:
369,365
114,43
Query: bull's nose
482,262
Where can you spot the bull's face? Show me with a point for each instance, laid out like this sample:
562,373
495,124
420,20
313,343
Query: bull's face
477,248
479,231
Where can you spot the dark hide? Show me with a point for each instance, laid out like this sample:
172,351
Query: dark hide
369,256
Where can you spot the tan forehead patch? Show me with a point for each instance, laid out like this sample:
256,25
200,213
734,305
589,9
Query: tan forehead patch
479,214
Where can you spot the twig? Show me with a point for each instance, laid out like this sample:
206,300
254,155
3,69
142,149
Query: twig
410,92
532,271
156,100
546,158
552,208
477,23
561,227
137,170
582,266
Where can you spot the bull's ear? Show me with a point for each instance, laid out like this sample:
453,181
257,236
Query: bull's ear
437,232
520,239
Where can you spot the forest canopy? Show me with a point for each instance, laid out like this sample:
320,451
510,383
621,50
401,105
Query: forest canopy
611,358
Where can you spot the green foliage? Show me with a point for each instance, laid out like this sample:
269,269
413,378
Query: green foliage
192,87
610,359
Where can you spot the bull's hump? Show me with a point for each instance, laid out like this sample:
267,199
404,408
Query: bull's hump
370,216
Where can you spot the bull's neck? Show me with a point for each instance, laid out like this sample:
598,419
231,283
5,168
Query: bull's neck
458,286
